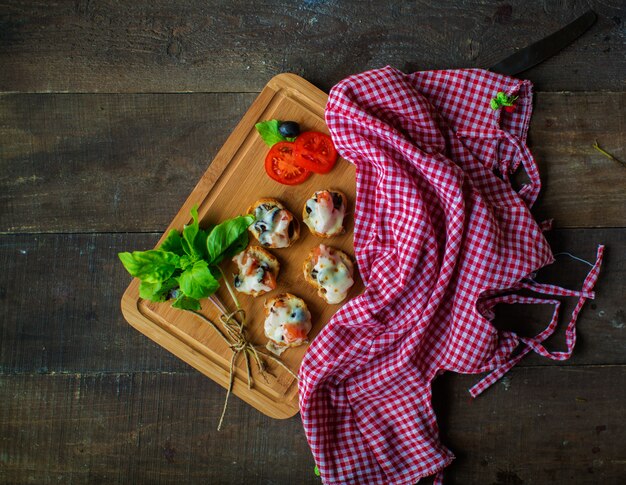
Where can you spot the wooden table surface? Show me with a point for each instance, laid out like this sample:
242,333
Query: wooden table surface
109,114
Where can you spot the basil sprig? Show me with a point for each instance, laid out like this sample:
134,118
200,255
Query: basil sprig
184,267
269,132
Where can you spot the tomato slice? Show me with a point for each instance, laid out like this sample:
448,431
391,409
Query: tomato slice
280,164
294,332
269,279
315,152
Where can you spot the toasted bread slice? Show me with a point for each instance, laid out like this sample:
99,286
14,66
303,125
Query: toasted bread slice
275,226
287,321
324,213
330,271
257,271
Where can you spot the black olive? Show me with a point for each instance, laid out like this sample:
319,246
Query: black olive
308,209
337,200
237,281
265,266
260,226
289,129
314,273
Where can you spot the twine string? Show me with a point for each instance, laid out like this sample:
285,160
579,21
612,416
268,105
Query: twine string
234,324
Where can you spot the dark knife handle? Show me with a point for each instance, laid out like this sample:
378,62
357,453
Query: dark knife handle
547,47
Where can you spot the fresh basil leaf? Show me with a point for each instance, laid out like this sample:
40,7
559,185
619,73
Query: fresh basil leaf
185,303
197,281
237,246
228,238
269,132
194,239
157,291
172,243
200,242
185,262
215,271
189,234
151,266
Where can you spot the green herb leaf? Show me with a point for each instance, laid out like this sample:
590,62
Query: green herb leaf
228,238
173,243
150,266
215,271
190,232
316,471
185,303
157,291
269,132
502,99
185,262
197,281
200,242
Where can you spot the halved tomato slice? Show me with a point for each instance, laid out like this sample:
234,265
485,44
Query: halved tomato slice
294,332
315,152
280,164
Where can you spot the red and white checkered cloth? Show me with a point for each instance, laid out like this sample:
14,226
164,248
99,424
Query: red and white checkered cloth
440,238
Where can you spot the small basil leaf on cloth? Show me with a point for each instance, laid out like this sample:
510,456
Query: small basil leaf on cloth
269,132
197,281
150,266
185,303
228,238
173,243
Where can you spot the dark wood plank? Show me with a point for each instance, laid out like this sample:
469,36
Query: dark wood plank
152,428
543,425
581,187
538,425
82,163
106,162
60,304
147,46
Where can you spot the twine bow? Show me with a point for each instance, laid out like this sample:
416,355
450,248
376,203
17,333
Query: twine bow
237,340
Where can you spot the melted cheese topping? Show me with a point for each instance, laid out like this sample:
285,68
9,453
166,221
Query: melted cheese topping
251,273
323,216
288,322
332,275
273,226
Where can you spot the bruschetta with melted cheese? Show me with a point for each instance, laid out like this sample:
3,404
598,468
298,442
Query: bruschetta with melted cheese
324,212
257,271
287,322
275,226
330,271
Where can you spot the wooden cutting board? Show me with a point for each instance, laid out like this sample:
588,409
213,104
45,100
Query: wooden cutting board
233,181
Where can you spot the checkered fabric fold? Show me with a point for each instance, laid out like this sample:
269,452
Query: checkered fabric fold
440,238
